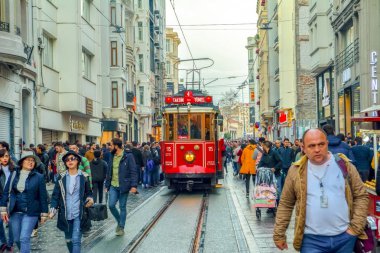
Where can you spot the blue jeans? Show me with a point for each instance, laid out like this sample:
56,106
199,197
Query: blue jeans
74,235
3,238
147,177
22,227
156,175
343,243
114,197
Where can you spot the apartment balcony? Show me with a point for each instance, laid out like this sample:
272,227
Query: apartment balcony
143,111
12,49
129,98
275,44
277,75
348,57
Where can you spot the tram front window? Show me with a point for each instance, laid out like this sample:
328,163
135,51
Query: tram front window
195,127
182,126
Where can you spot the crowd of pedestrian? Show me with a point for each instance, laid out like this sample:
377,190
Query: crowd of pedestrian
81,175
322,176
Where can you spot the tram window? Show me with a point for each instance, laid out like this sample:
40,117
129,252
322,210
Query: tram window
208,127
170,127
195,127
182,126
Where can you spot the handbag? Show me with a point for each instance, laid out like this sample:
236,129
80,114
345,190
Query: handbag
98,212
366,245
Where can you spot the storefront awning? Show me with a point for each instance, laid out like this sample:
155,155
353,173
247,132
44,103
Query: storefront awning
365,119
371,109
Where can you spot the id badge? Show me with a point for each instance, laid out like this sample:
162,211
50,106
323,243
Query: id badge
324,202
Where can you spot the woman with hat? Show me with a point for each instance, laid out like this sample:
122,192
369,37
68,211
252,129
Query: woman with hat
72,193
24,200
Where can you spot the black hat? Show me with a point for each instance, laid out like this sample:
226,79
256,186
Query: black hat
70,152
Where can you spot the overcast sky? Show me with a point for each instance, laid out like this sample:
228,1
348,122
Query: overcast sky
224,44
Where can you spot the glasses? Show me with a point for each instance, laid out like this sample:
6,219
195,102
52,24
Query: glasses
70,159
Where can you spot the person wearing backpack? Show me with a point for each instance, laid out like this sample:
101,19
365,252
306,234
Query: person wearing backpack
156,153
330,199
99,171
148,167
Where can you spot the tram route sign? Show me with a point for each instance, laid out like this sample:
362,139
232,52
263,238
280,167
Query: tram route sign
188,98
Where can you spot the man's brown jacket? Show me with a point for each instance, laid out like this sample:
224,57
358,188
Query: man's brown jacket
295,192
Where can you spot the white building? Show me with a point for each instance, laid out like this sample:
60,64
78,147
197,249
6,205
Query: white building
69,63
17,74
120,88
150,55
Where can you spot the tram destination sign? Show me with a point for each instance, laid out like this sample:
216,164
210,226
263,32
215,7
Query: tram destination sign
188,98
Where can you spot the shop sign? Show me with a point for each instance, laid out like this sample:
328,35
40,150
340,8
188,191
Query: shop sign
374,87
325,96
122,128
77,125
346,75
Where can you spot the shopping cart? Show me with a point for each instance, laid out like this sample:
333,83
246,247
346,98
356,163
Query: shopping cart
265,191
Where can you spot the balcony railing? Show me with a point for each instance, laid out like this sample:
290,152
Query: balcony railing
348,56
4,26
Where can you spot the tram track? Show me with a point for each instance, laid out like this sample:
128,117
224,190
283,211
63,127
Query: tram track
198,235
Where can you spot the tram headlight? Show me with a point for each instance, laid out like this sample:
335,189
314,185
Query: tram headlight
189,157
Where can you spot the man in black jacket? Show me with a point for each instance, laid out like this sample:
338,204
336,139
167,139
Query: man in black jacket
138,159
44,157
99,170
363,157
121,179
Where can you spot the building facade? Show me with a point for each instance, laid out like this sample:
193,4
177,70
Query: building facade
119,101
69,85
322,59
171,67
355,24
150,63
18,74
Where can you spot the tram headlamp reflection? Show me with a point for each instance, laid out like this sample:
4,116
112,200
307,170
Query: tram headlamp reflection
189,157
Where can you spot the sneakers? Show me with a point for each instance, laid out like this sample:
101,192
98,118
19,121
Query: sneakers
34,233
119,231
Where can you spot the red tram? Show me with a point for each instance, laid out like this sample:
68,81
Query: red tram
189,148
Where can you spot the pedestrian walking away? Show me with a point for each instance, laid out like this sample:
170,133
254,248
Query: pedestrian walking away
99,170
248,168
71,196
330,199
24,200
121,179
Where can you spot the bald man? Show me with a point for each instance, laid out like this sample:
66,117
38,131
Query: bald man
329,218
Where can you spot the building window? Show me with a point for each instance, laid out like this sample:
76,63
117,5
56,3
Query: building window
122,55
86,5
113,15
86,65
47,51
141,93
113,53
168,46
4,15
250,55
139,4
141,62
115,95
168,68
140,31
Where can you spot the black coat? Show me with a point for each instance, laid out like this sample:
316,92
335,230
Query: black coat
128,175
36,194
58,201
138,157
99,170
271,160
363,157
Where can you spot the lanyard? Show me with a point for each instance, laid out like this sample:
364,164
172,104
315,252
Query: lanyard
321,186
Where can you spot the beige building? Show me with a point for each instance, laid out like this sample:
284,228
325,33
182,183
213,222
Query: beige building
171,75
266,111
297,93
